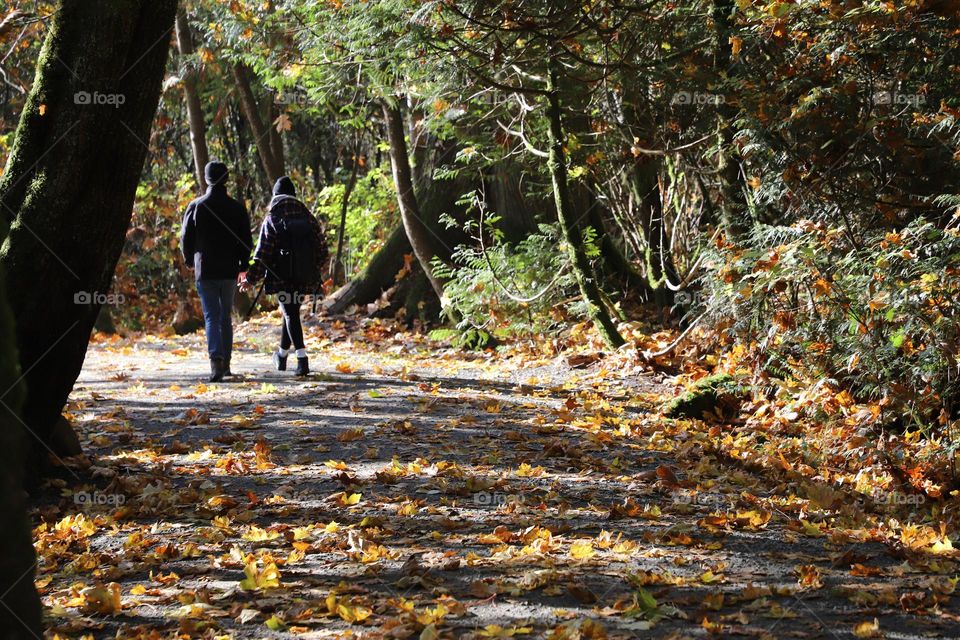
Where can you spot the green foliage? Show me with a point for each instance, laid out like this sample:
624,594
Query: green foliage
484,284
371,216
469,338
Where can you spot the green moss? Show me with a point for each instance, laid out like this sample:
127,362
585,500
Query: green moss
706,395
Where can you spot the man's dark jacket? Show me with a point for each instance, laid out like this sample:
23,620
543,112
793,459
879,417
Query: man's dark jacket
215,238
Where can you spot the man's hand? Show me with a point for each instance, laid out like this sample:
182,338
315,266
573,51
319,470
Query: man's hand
242,283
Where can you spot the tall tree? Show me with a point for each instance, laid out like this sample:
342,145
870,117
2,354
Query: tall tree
267,140
418,230
68,190
191,93
566,213
734,213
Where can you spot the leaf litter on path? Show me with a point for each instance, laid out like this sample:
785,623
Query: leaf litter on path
407,490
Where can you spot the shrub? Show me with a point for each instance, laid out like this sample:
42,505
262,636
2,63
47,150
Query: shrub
484,285
878,316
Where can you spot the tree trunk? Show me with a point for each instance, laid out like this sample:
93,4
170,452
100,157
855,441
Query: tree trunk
506,200
419,233
566,214
70,183
185,320
272,165
19,603
644,186
379,275
198,127
613,259
276,140
339,274
734,213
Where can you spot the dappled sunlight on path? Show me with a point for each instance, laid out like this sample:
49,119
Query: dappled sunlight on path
408,490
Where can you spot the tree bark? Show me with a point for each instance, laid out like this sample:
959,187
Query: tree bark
185,320
67,193
418,230
566,214
276,140
507,201
644,186
339,274
19,604
198,127
379,275
734,213
614,261
272,165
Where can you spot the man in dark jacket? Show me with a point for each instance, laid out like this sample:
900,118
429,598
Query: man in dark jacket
216,242
289,224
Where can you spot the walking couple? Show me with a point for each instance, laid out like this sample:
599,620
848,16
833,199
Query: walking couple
290,257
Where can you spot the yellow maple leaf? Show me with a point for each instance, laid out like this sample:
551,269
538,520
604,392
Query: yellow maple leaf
582,549
103,599
266,578
256,534
432,616
526,471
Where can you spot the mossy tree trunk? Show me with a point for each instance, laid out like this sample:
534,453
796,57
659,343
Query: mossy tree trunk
379,275
419,232
19,603
68,190
734,213
567,216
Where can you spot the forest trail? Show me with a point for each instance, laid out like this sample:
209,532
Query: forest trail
406,489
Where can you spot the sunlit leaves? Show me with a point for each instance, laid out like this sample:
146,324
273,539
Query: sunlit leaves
260,577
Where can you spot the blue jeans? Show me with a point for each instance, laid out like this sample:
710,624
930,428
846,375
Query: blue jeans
216,296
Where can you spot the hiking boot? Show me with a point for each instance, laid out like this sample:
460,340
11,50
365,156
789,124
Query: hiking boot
216,370
226,368
303,366
279,361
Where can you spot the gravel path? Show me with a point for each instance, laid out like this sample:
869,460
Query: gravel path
409,490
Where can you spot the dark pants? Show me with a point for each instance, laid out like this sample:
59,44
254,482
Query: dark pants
216,296
292,331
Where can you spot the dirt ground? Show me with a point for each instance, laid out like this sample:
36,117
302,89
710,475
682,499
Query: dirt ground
407,489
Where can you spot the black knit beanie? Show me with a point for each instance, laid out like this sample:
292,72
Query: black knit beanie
216,173
284,187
